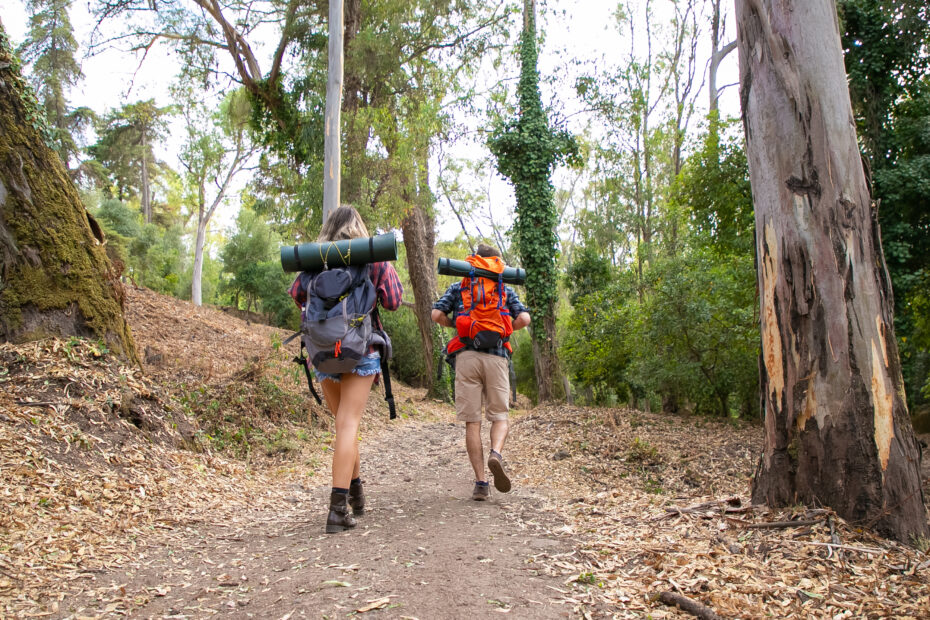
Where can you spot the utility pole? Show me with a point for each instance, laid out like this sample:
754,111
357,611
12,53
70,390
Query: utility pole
332,159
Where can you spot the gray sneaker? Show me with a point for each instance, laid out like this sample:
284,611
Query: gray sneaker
481,493
496,465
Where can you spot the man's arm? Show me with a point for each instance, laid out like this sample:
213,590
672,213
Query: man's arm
519,312
444,306
440,317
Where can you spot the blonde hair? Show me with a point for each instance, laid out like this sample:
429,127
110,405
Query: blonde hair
343,223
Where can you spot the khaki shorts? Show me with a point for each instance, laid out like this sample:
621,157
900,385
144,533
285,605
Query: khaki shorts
481,377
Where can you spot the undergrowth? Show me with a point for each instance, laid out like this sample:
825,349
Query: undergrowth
251,414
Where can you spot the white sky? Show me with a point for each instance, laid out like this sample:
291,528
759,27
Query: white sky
574,29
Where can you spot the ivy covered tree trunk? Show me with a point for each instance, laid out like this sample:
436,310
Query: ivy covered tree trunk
526,150
837,431
56,278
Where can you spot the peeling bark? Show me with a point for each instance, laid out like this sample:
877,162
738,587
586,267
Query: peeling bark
837,430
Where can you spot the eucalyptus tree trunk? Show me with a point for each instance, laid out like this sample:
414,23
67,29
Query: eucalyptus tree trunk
717,54
56,278
146,188
837,431
332,160
197,274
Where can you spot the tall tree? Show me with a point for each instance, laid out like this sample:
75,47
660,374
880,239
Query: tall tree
49,50
332,123
217,149
837,430
56,277
718,52
126,148
527,149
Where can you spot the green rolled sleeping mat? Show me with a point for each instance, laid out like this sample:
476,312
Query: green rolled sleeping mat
460,268
316,256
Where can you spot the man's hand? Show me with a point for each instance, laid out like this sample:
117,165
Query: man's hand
522,320
440,317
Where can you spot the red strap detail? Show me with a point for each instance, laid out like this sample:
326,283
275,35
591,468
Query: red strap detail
338,349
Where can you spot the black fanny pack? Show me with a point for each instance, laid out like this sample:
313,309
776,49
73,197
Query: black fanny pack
485,340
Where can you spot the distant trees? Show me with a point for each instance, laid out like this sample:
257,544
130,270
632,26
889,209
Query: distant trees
49,50
125,149
252,270
837,431
217,149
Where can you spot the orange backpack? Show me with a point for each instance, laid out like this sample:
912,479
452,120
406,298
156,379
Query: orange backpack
486,322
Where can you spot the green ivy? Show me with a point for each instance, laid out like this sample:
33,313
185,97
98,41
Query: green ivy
527,149
11,71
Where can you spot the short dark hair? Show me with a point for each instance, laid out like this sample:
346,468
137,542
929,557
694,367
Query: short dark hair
484,250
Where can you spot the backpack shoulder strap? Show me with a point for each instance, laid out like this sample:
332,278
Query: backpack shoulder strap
302,360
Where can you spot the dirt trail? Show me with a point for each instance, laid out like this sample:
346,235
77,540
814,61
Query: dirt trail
423,545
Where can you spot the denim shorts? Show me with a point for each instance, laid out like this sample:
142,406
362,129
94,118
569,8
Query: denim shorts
367,366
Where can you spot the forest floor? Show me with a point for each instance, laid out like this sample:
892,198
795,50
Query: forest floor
197,485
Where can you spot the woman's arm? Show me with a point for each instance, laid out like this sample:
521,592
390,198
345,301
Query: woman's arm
387,283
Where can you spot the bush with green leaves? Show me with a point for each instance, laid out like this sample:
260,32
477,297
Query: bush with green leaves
407,364
253,275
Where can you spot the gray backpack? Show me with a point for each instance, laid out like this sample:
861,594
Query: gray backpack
337,327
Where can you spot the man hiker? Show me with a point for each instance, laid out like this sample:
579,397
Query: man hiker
485,313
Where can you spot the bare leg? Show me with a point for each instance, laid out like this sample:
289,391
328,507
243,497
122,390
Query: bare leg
331,394
475,449
354,392
499,431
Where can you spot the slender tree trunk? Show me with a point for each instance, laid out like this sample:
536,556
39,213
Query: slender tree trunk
56,278
355,128
146,197
717,54
420,241
837,431
333,125
197,276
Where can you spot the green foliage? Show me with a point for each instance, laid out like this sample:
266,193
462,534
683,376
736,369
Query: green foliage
679,329
527,149
589,271
12,70
253,271
697,334
407,363
157,259
597,341
49,50
887,47
126,140
714,187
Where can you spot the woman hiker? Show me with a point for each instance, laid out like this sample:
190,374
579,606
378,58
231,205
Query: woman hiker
347,394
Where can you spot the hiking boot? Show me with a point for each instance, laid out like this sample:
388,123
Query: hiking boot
496,465
357,498
482,492
339,518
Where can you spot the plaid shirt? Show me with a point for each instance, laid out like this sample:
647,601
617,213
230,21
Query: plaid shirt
451,301
383,276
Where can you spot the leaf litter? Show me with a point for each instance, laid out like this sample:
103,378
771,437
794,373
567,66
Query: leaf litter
102,465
